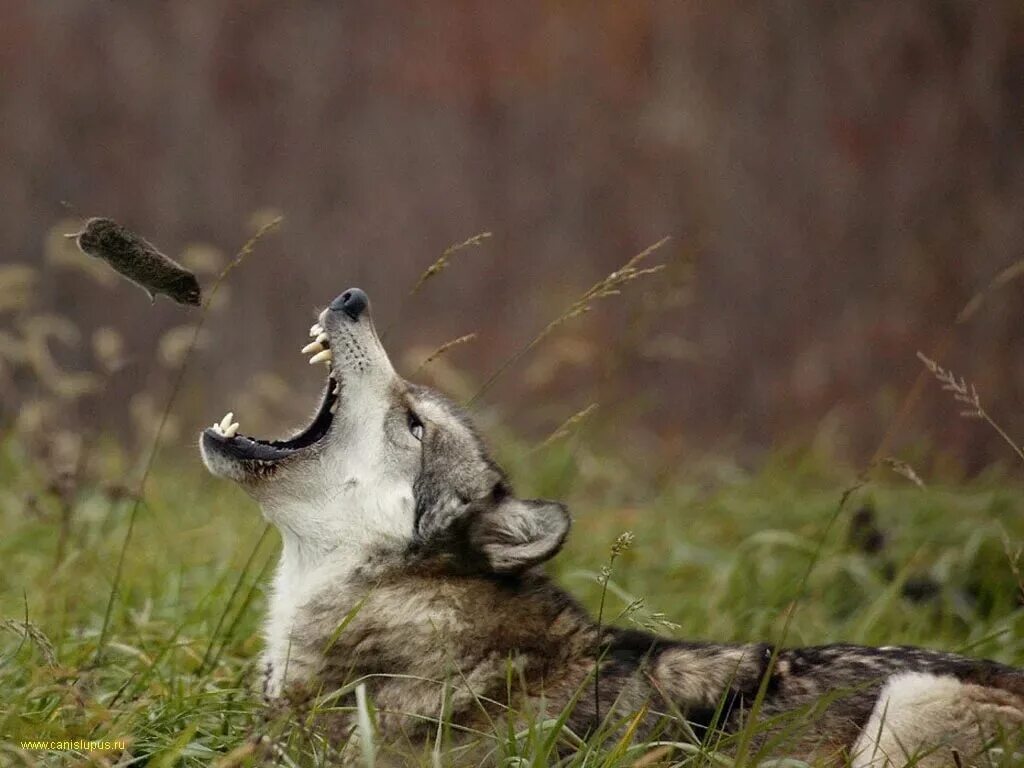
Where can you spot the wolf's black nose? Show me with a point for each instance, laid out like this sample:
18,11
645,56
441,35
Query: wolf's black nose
352,302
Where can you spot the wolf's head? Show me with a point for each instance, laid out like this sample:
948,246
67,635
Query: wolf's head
385,465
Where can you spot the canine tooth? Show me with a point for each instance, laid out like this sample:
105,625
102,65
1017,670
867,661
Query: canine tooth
313,346
226,421
321,356
315,329
232,430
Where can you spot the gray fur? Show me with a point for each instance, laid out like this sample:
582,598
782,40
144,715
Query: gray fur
419,548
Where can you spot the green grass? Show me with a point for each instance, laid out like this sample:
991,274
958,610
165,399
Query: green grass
719,552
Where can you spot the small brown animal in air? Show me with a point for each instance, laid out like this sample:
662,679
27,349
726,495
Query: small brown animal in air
138,260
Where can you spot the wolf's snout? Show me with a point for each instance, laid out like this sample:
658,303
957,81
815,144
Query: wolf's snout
352,302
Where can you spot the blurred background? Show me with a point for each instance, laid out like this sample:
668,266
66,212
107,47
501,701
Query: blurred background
838,181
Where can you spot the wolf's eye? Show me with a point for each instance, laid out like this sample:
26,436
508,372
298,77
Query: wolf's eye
415,426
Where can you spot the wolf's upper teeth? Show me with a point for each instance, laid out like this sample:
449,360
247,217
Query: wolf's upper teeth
322,337
313,346
334,406
315,329
232,430
320,357
226,421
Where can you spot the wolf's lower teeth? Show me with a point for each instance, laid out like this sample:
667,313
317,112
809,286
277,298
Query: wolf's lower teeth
227,428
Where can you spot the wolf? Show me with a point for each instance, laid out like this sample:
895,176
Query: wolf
410,565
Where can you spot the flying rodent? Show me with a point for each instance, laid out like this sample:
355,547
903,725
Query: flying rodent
138,260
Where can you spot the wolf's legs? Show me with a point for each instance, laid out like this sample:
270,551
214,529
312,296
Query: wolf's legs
922,718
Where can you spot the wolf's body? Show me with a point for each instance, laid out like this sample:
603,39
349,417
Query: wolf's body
408,565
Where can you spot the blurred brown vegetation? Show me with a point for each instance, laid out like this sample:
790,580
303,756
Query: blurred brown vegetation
838,180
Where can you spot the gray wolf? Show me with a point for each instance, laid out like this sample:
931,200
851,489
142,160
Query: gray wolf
409,563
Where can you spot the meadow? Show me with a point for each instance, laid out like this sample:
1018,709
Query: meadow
717,555
130,631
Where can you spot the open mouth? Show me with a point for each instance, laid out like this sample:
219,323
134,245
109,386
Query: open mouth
231,443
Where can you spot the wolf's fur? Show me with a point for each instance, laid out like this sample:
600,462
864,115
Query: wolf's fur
408,563
941,711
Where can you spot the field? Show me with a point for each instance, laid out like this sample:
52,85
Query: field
134,583
718,552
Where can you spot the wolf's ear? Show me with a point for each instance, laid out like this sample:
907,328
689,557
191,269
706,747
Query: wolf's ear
516,534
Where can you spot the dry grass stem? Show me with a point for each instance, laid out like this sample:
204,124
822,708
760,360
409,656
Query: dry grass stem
904,470
567,427
33,634
243,253
623,542
1003,278
609,286
443,349
444,261
966,395
968,311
